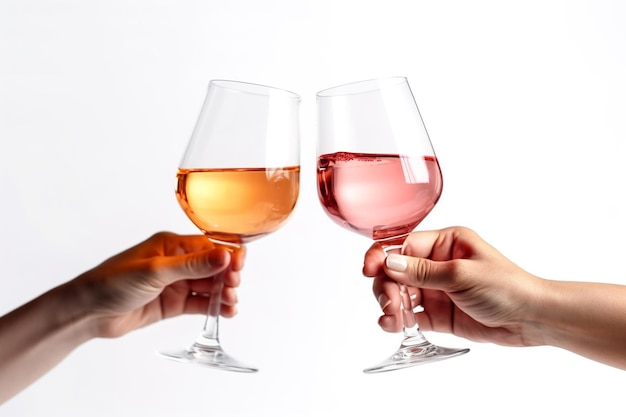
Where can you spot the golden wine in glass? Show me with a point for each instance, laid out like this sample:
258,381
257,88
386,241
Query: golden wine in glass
237,182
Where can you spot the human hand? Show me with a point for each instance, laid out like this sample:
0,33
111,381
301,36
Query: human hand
164,276
465,286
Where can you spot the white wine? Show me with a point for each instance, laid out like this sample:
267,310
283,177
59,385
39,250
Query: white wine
238,205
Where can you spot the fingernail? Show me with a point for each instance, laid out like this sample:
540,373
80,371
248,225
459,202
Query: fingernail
396,263
383,300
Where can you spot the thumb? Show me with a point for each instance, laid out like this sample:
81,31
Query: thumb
192,265
418,272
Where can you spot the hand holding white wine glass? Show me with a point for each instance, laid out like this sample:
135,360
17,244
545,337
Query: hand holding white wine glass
237,182
378,176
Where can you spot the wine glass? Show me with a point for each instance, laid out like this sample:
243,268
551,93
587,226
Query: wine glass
237,182
378,176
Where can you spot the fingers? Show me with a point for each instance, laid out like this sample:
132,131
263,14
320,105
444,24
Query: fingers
429,260
189,266
189,244
199,304
198,243
387,293
374,260
206,285
385,290
433,259
419,272
175,244
420,244
442,245
238,257
388,296
390,323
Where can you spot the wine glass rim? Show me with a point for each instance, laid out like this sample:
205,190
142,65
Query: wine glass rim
363,86
246,87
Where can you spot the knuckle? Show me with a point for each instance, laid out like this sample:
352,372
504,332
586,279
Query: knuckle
420,271
152,266
454,269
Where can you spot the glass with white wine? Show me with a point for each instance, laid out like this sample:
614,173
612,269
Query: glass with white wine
237,182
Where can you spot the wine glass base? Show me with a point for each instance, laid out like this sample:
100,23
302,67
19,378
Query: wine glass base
213,357
407,356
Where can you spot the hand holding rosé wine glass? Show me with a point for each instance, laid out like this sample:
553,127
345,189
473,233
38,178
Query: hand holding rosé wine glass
237,182
378,176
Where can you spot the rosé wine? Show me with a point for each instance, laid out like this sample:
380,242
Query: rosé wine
378,196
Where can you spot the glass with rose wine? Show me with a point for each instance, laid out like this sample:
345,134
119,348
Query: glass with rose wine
237,182
378,176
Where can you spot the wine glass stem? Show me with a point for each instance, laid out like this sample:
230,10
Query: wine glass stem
410,328
210,332
411,331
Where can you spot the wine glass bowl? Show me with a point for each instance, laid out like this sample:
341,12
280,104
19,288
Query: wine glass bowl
378,176
237,182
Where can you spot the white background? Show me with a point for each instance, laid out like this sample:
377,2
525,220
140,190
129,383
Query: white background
524,102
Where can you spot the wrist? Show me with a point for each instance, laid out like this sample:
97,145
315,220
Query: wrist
70,304
537,325
557,316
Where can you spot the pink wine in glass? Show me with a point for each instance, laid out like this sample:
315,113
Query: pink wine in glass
378,176
378,196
